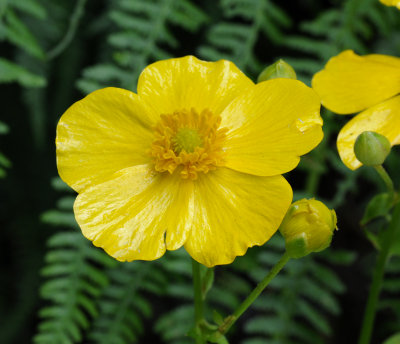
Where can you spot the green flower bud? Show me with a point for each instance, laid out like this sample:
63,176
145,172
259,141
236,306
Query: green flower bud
371,148
307,227
279,69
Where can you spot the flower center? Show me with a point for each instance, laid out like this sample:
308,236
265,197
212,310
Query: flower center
188,142
186,139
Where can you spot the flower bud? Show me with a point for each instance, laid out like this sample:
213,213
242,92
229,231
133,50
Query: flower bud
279,69
371,148
307,227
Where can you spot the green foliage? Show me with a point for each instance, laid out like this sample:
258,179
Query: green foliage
4,162
141,34
12,72
337,29
15,30
389,301
236,42
122,307
395,339
74,282
74,278
378,206
228,291
296,308
300,301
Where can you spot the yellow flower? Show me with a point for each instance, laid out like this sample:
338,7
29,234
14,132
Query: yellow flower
371,84
193,159
308,227
391,3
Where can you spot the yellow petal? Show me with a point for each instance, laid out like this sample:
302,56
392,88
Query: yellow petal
351,83
385,59
129,215
185,83
383,118
235,211
391,3
105,132
270,126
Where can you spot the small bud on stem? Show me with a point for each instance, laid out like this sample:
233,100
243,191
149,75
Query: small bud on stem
371,148
307,227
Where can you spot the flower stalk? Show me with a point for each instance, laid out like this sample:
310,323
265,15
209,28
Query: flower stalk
231,319
385,177
198,299
377,279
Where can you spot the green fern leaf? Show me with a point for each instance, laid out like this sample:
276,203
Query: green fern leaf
11,72
122,304
72,285
236,42
142,35
30,7
298,304
18,34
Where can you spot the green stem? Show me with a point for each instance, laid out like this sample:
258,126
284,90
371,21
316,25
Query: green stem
231,319
73,25
198,299
377,279
385,177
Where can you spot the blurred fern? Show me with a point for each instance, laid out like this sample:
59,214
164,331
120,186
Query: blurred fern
15,31
228,290
141,34
337,29
4,161
75,280
389,301
125,303
235,41
122,306
295,309
301,300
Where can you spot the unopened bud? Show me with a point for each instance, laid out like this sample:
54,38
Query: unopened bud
279,69
371,148
307,227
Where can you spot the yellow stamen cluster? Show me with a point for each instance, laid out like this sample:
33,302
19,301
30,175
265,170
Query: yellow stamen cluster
189,140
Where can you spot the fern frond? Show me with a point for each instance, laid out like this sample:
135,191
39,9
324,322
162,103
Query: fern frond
30,7
228,291
20,35
389,301
337,29
16,31
174,324
74,282
299,303
74,278
12,72
122,305
142,34
236,42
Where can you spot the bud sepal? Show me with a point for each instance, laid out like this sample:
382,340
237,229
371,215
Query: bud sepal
279,69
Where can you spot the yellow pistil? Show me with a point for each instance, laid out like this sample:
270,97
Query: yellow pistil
188,140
